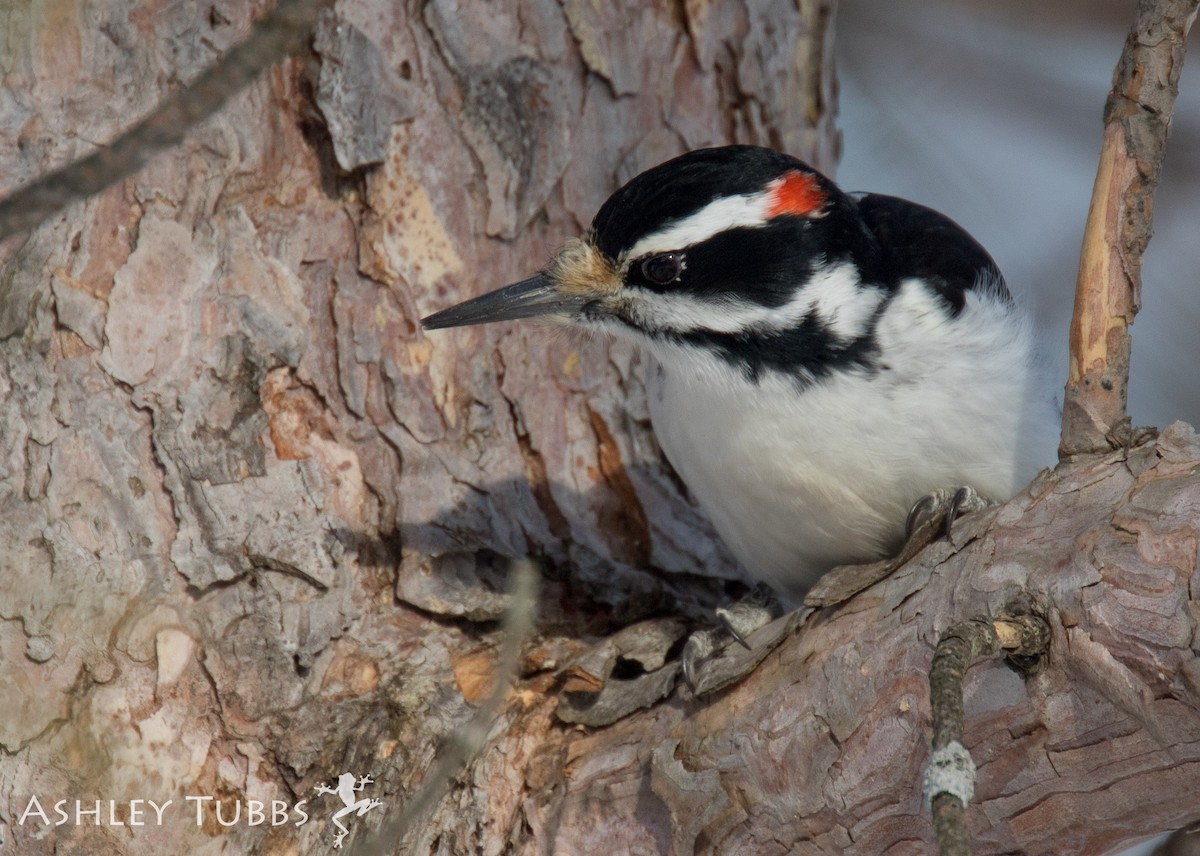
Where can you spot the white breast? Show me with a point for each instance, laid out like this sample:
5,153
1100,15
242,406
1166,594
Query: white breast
799,481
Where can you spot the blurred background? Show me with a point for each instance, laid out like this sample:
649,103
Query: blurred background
991,113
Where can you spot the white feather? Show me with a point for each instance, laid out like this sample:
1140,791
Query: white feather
797,482
727,212
833,293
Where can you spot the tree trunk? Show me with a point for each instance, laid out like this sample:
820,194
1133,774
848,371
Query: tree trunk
253,520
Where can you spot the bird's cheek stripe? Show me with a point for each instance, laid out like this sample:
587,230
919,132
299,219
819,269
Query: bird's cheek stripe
795,193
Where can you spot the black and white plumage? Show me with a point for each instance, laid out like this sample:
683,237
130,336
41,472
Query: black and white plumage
821,360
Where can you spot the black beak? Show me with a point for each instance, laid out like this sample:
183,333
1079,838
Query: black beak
537,295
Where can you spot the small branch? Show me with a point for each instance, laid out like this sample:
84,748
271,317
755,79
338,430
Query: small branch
283,31
1137,118
1182,842
470,738
950,778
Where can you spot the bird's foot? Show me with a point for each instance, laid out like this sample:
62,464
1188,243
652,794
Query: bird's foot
757,608
749,629
942,507
931,518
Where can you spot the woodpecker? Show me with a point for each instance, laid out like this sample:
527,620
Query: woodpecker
819,361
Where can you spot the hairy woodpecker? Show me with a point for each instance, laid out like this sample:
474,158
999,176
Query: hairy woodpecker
820,360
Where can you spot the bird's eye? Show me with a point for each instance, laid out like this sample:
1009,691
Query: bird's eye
663,268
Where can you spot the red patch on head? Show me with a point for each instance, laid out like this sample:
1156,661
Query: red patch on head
796,193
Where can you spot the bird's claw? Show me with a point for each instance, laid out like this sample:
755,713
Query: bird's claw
737,621
946,503
910,522
745,615
698,648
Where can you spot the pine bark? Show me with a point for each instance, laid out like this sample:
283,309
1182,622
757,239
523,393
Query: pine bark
253,521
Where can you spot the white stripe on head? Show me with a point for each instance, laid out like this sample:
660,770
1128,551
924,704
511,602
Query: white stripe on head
835,294
795,192
728,212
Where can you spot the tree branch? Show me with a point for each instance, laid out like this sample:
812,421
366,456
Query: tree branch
282,32
950,778
1137,118
466,742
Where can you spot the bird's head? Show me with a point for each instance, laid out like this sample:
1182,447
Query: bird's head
717,249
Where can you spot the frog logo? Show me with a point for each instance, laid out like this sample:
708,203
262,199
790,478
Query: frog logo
348,791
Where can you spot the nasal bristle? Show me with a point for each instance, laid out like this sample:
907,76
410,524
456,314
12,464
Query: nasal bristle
796,193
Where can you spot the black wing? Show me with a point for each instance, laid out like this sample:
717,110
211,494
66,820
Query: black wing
919,242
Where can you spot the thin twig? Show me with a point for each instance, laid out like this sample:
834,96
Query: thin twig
1182,842
1137,117
470,738
950,779
283,31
